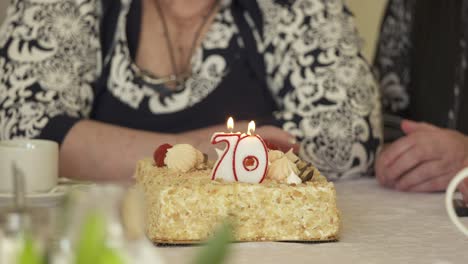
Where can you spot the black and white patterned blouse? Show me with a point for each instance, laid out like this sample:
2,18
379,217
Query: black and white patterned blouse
294,64
421,61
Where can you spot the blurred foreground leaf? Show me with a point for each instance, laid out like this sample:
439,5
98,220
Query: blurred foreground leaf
216,249
92,239
92,248
110,256
29,253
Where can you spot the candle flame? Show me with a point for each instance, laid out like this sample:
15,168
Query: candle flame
251,128
230,124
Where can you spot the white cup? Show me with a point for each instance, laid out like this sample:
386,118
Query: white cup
37,159
462,175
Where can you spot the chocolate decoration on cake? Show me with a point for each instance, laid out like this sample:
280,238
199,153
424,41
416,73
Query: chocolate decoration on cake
306,170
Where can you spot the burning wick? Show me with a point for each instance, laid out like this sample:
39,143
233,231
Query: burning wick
230,124
251,128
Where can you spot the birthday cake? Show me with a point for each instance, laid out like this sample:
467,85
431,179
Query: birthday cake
266,195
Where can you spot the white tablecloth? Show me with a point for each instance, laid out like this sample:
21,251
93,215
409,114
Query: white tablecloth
378,226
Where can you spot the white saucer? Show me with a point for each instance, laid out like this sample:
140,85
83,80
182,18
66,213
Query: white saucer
49,198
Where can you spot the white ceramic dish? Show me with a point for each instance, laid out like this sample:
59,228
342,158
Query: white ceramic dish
52,197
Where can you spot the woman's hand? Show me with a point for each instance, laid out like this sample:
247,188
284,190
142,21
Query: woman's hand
425,160
279,138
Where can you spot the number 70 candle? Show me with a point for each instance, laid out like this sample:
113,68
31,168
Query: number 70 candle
245,158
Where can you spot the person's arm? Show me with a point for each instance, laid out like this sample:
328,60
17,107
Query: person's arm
325,90
97,151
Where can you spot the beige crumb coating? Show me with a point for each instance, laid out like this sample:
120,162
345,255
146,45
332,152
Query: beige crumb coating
186,207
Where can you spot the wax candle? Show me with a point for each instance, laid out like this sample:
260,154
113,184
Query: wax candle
245,158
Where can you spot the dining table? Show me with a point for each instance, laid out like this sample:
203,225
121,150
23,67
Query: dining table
378,225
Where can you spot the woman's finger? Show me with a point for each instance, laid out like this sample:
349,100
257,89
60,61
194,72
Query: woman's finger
379,170
407,161
389,155
424,172
409,126
393,151
432,185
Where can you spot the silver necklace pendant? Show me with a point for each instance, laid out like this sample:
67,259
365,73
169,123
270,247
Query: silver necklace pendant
180,79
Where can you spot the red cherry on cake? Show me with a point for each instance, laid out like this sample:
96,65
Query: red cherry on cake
160,154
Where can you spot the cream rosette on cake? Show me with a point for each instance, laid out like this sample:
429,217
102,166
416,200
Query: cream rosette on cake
274,155
184,157
288,167
283,170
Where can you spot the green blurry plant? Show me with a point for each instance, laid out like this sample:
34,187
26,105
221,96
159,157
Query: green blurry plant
216,249
29,253
91,247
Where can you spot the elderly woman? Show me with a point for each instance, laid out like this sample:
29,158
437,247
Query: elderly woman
110,80
422,63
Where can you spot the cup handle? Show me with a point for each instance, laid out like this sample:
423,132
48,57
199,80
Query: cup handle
463,174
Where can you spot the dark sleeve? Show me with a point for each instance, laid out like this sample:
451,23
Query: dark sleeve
327,95
393,56
392,64
49,58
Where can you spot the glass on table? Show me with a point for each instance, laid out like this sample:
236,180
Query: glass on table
103,223
24,235
456,207
25,231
